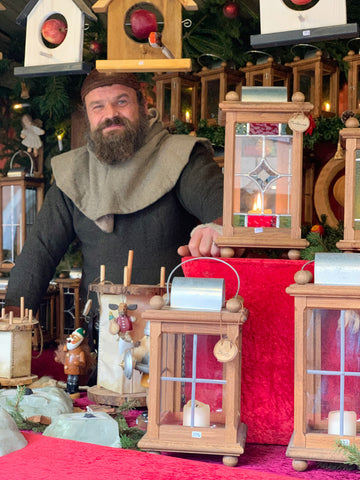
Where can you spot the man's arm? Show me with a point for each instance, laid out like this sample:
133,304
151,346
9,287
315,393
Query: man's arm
45,245
200,190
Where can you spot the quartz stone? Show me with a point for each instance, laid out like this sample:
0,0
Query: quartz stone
10,437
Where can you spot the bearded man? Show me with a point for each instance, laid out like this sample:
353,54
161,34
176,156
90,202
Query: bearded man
133,186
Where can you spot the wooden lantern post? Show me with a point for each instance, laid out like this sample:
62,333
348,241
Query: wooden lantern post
263,173
318,78
353,61
174,91
350,140
327,377
180,417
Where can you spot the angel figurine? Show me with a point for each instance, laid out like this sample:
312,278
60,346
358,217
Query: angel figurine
31,135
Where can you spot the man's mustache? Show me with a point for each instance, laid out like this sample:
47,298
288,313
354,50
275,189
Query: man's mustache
111,121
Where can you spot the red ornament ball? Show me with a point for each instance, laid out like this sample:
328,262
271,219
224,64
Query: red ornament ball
318,229
143,22
95,47
231,10
54,31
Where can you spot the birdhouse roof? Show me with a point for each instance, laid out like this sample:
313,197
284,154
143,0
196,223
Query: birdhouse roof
22,17
101,6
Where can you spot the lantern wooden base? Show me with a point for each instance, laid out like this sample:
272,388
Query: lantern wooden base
214,442
250,239
319,448
13,382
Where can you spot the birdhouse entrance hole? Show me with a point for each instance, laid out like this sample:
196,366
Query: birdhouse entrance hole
142,19
54,30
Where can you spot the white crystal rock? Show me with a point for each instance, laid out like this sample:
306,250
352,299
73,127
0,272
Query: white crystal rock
48,401
10,437
98,428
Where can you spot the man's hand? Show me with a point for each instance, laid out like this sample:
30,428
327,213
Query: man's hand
202,243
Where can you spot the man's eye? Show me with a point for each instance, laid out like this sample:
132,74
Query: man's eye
123,103
97,107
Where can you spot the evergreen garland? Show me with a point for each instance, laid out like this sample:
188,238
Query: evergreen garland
321,243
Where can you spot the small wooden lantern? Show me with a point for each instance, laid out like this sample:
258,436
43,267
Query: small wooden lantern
15,351
318,78
263,173
327,376
21,197
267,74
177,97
350,139
182,403
215,83
353,61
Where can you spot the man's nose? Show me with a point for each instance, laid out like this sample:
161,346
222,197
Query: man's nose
112,110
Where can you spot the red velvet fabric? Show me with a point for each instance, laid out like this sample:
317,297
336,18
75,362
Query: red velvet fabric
267,397
46,458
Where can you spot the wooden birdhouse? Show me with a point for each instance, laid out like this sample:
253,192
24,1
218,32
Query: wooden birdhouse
130,46
54,37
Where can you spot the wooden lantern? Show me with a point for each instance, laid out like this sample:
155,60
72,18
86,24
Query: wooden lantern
263,173
177,97
126,52
194,408
318,78
215,82
15,351
327,376
21,197
350,140
353,61
267,74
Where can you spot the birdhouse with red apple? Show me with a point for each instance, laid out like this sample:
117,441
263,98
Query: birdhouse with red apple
144,36
54,37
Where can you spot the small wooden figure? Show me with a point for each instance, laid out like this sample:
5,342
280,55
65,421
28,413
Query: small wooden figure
31,135
75,361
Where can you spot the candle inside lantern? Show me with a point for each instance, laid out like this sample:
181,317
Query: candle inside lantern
260,218
60,144
349,423
187,116
201,414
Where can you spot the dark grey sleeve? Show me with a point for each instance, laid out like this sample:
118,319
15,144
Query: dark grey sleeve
46,244
200,186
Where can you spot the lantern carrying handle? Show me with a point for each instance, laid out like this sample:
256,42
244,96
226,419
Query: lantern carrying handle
28,154
201,258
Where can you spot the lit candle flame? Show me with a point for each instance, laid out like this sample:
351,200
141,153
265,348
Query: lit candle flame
258,207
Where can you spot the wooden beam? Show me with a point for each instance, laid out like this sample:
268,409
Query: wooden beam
189,4
2,7
101,6
151,65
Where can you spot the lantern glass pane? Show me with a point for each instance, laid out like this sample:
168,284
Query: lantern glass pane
305,86
167,104
213,96
186,104
357,87
11,222
332,377
262,176
31,207
189,383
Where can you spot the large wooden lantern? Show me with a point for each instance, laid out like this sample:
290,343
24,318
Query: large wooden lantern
318,78
267,74
353,61
177,97
327,373
193,407
263,173
350,139
215,83
21,196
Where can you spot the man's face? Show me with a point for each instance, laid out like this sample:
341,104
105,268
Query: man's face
117,124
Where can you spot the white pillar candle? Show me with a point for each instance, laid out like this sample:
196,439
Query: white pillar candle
349,423
201,414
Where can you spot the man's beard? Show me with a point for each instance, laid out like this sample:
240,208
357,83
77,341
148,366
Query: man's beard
119,145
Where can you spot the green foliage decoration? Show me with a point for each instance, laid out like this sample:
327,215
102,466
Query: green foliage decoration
321,243
351,452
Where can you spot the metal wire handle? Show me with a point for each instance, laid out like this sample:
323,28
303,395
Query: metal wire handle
200,258
28,154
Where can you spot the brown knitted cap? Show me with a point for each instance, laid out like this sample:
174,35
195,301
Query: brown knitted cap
97,79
